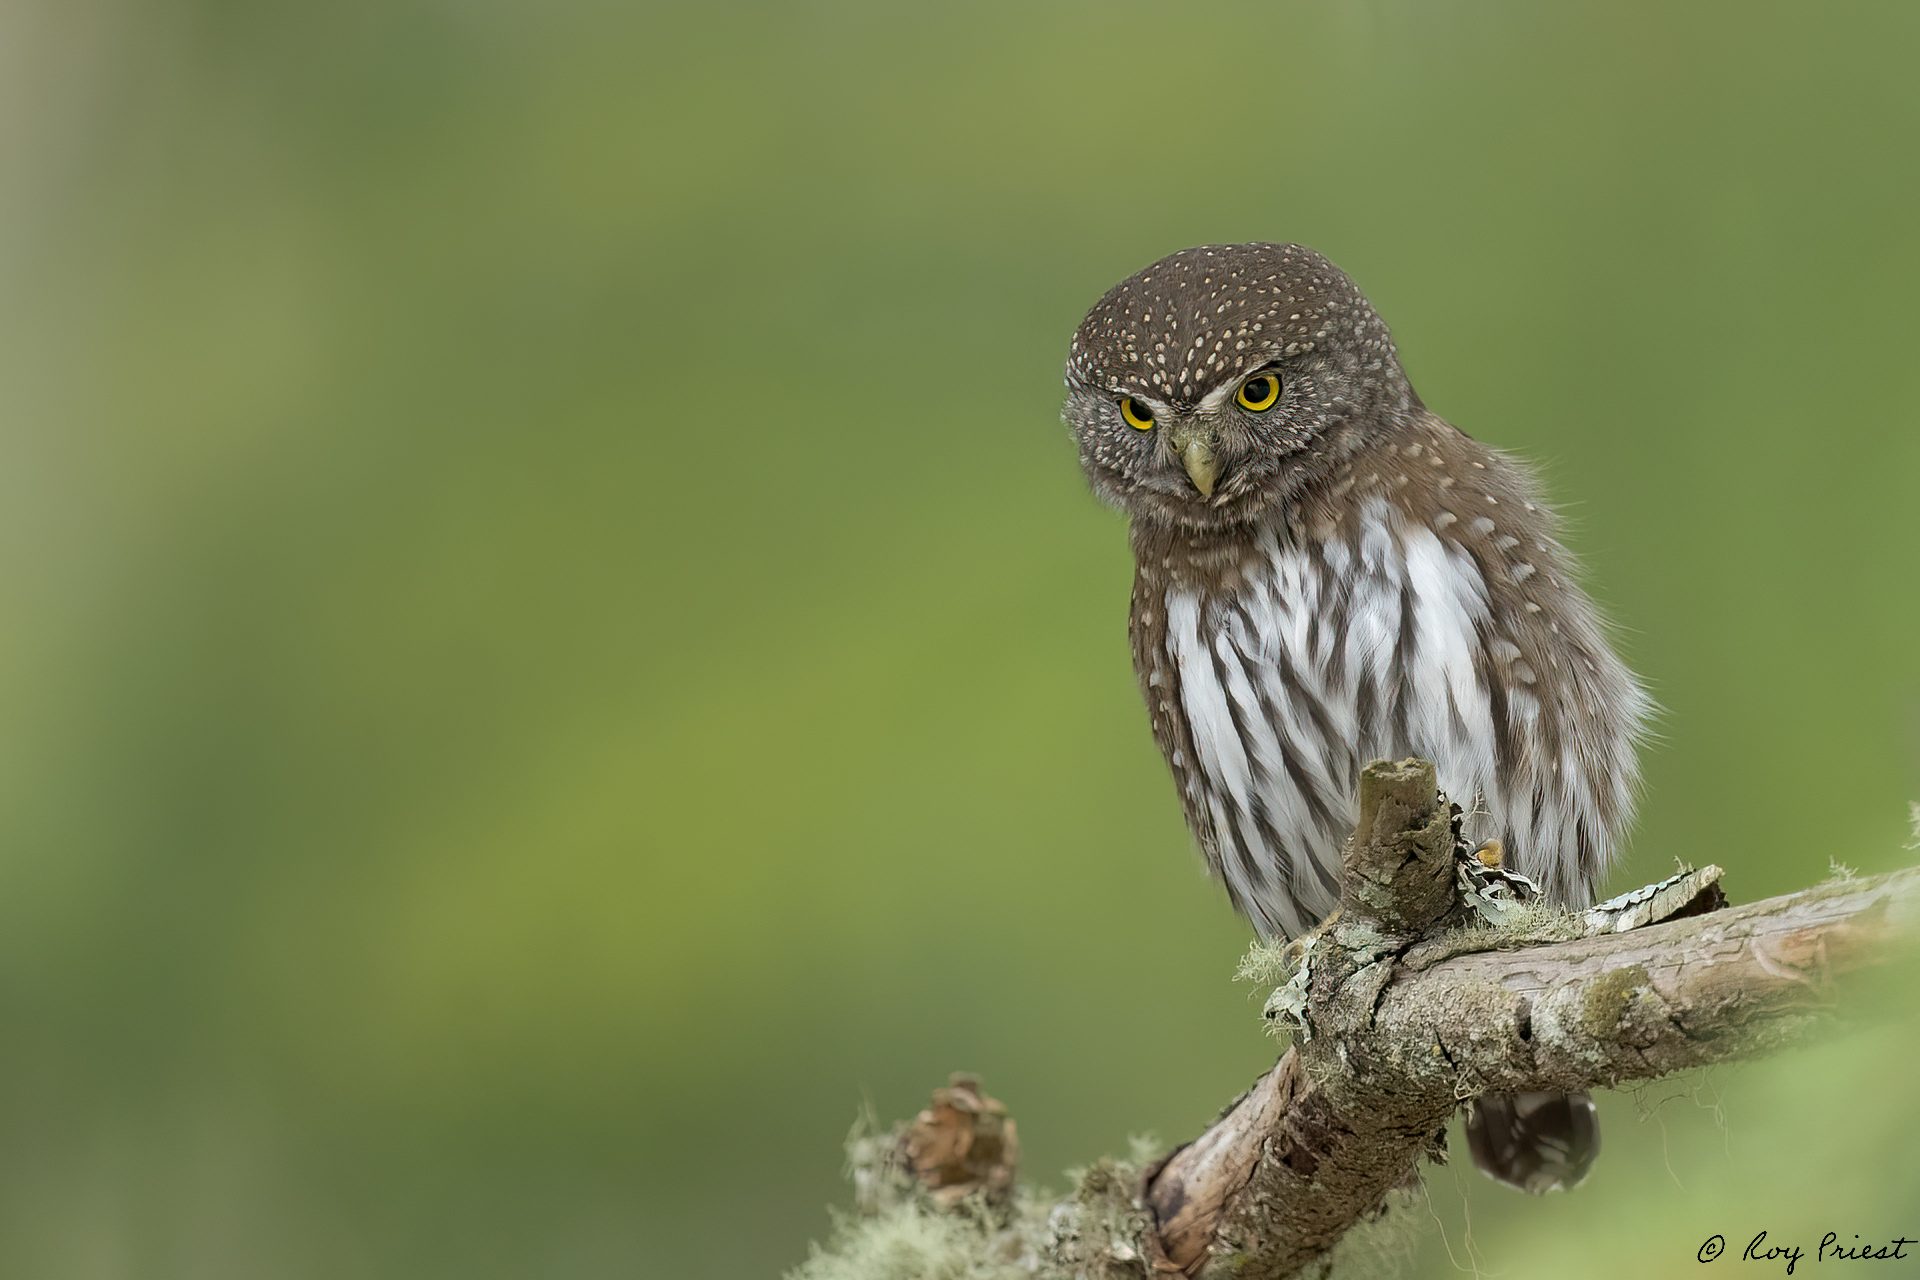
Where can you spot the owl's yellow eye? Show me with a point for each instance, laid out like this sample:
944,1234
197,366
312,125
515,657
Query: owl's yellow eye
1258,392
1137,415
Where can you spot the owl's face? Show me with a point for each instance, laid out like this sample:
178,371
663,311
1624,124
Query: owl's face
1207,387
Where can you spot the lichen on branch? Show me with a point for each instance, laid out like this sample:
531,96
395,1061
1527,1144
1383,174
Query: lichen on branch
1407,1002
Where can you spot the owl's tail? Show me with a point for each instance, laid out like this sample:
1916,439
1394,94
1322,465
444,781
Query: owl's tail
1535,1142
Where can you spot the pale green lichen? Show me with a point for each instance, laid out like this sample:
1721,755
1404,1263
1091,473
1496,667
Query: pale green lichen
1286,968
1529,924
898,1233
874,1165
1286,1009
908,1242
1266,964
1095,1232
1363,938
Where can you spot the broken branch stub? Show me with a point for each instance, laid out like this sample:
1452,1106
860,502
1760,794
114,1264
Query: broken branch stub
1397,871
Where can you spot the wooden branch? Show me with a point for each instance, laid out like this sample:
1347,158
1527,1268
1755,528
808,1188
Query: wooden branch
1403,1027
1407,1003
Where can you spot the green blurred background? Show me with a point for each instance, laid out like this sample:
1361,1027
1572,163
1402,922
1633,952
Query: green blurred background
555,645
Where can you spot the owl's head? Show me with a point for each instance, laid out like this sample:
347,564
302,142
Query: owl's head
1211,385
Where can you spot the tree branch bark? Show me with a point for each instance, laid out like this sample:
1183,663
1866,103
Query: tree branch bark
1404,1025
1406,1003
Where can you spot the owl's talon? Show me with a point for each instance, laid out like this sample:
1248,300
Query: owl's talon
1296,952
1488,886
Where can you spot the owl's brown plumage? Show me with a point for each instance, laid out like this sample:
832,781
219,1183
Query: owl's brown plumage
1337,576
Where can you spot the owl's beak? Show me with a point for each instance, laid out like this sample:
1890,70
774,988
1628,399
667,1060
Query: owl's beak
1195,447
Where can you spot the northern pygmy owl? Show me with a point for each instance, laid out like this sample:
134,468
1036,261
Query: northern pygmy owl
1327,573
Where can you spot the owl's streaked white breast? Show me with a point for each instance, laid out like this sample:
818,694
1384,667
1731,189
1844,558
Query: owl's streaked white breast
1326,655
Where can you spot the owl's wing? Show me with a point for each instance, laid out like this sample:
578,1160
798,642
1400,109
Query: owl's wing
1159,680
